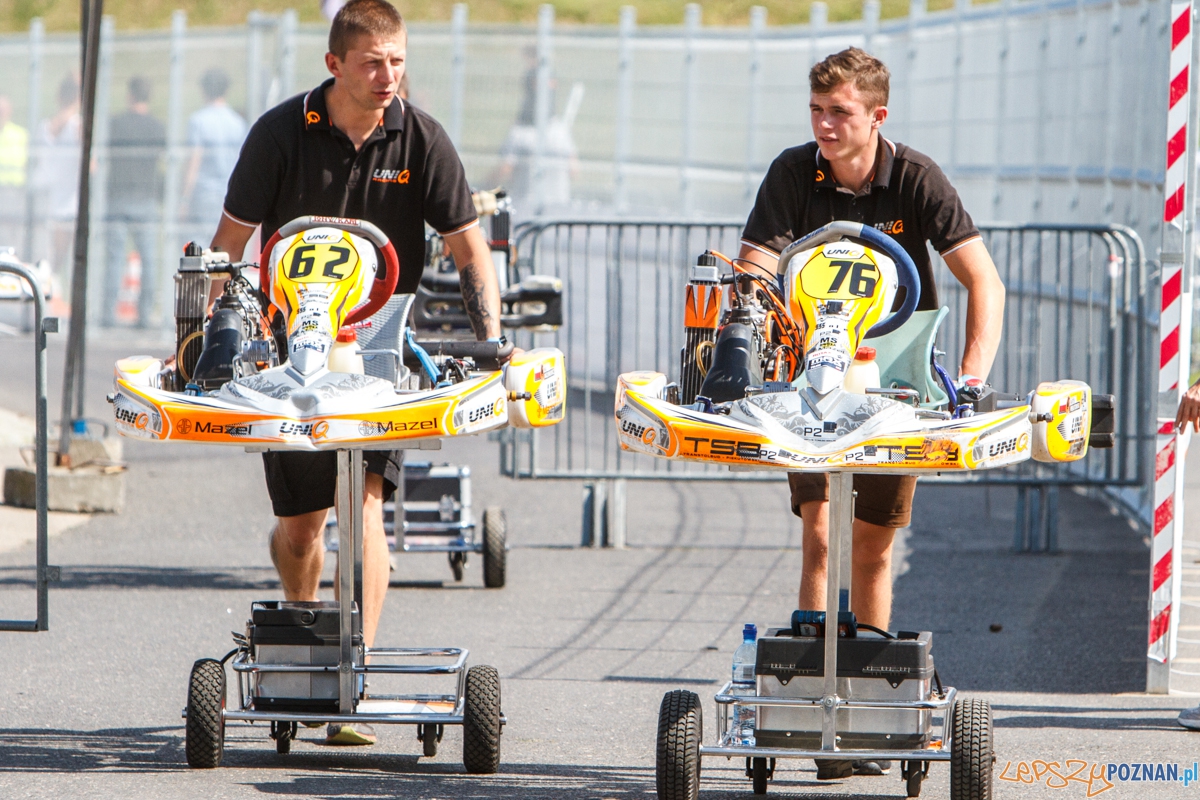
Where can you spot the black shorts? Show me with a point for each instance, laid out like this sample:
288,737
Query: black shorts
884,500
300,483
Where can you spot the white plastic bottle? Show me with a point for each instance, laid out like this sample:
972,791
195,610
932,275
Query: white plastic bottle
344,356
744,684
863,373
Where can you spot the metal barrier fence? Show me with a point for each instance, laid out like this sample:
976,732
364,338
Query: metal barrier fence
1077,307
1037,110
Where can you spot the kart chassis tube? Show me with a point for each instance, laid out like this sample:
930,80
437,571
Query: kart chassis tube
41,488
841,525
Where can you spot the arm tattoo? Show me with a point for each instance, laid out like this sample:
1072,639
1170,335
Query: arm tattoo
474,300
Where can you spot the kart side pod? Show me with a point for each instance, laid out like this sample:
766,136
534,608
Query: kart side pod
1061,413
536,382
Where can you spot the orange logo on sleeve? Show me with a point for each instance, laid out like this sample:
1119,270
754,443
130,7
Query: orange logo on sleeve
820,176
312,118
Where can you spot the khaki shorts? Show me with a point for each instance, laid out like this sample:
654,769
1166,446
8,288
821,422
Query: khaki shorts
884,500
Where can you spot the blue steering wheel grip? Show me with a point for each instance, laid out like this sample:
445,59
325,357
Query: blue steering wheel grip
906,270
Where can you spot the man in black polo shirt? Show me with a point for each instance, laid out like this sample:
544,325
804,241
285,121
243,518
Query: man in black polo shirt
851,172
352,148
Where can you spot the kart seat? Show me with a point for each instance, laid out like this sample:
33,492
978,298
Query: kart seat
385,332
904,357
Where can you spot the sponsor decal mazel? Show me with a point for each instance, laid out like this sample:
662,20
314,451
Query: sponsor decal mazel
369,428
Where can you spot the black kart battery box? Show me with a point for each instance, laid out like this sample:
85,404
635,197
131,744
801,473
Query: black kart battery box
869,667
299,633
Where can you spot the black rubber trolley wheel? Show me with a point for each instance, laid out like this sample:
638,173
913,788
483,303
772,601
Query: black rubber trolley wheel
429,735
495,555
971,755
758,774
913,773
677,760
204,733
481,721
283,733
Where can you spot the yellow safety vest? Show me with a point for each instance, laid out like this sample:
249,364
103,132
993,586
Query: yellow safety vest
14,151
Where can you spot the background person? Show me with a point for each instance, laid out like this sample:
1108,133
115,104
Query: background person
14,158
56,174
137,142
339,150
851,172
215,135
1189,414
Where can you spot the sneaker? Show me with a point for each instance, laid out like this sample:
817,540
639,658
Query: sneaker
341,734
1190,718
313,724
831,770
872,767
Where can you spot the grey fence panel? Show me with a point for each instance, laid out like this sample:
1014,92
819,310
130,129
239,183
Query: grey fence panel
1077,308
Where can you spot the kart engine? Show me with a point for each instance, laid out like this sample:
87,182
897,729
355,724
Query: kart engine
238,339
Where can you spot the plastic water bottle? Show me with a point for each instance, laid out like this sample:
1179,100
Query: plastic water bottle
744,684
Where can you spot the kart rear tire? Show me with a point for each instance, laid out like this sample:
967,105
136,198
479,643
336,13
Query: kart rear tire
758,774
481,721
971,756
204,733
677,757
495,544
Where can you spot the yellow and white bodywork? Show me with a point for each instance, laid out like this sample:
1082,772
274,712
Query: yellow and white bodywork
869,434
318,276
839,293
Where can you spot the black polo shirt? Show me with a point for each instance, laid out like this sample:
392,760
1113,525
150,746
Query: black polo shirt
908,197
407,172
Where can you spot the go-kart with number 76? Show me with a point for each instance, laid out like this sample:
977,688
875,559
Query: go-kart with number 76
778,381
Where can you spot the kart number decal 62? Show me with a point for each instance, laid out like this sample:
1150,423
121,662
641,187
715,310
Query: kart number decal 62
321,263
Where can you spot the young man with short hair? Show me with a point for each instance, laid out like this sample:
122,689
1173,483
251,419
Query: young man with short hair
851,172
337,151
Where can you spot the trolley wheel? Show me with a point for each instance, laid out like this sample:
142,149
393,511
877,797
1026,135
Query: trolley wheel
495,555
457,562
429,735
913,784
204,738
283,733
677,760
481,721
971,755
758,774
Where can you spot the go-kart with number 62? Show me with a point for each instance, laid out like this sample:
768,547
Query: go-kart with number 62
278,369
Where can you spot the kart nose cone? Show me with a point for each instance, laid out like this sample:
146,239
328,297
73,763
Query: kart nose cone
825,379
306,361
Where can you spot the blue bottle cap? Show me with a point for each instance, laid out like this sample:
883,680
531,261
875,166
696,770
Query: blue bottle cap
750,632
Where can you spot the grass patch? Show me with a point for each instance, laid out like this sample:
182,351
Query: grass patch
63,15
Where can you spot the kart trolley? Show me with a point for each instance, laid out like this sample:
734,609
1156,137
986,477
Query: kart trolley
838,709
306,663
436,513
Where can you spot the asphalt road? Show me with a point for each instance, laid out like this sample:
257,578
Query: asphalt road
586,641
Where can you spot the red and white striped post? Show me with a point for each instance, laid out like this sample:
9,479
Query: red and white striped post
1174,359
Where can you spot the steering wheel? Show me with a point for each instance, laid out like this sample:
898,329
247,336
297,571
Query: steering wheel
381,290
906,270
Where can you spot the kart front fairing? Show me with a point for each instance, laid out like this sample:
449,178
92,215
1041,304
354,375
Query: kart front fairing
782,430
337,410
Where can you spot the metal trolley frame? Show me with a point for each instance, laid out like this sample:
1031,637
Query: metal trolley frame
677,778
430,712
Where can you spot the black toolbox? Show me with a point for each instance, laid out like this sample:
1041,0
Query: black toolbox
299,633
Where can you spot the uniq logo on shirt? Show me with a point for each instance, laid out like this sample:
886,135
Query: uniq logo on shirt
390,176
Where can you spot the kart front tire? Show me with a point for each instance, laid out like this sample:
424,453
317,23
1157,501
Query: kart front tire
204,733
495,544
677,760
